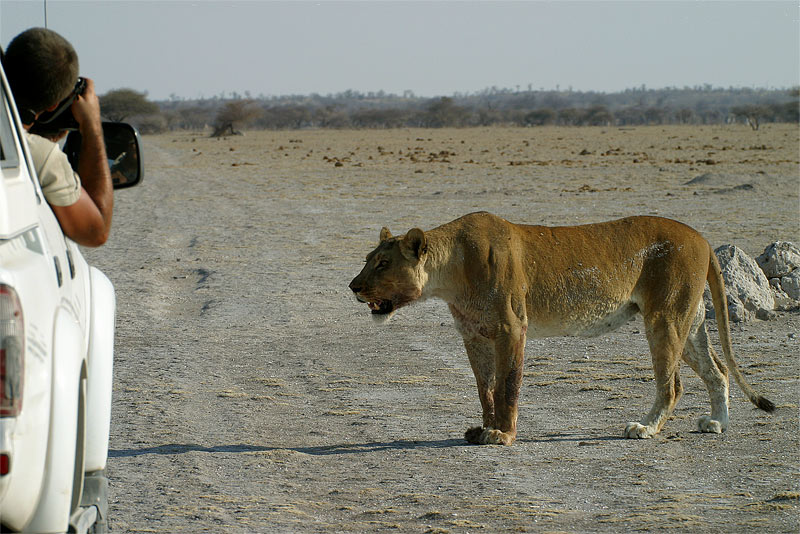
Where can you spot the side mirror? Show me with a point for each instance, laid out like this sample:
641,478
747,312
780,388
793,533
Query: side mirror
123,149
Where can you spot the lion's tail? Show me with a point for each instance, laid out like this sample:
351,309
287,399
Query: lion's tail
717,286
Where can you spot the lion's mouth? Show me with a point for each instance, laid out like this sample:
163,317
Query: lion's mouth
381,307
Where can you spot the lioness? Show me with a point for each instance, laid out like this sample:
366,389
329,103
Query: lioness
504,281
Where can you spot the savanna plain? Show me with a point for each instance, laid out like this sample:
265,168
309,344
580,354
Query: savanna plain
253,394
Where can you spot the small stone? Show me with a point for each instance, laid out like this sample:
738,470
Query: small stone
790,284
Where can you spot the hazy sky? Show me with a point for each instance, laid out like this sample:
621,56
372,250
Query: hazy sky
200,49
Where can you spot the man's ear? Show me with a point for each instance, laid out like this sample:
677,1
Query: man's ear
414,244
385,234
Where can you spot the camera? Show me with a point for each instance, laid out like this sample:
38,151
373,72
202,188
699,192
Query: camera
52,122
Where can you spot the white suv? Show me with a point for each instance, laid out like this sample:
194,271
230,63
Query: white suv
56,354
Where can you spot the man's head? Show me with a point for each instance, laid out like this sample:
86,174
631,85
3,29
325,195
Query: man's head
42,68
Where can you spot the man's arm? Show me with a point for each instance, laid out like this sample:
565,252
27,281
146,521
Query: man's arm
88,221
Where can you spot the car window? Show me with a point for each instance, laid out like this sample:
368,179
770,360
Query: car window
8,149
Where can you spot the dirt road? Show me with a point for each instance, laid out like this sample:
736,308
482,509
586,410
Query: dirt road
253,395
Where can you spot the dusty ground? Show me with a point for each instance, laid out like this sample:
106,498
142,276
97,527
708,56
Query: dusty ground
252,394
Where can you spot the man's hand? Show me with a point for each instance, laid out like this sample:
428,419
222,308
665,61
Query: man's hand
88,221
86,108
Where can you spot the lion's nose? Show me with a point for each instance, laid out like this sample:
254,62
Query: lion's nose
354,287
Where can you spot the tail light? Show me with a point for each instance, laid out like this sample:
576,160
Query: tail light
12,343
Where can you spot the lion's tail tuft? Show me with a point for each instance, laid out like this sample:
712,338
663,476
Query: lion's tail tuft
765,404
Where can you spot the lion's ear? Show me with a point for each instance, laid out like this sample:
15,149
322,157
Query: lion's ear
385,234
414,244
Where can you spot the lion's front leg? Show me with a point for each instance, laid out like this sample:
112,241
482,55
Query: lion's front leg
508,356
481,358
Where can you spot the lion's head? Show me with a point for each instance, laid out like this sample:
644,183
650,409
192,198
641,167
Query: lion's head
393,275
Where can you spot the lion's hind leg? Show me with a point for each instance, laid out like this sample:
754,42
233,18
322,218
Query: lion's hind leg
700,356
665,347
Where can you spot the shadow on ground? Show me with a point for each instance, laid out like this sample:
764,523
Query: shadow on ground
346,448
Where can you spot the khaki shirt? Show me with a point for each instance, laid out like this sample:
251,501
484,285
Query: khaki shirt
60,184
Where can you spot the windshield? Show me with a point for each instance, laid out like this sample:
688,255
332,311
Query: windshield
8,149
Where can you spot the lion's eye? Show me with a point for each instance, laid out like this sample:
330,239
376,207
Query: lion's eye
382,264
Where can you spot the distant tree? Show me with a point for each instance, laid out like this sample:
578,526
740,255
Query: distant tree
292,117
655,115
443,112
711,116
685,116
151,124
193,118
569,116
237,113
598,116
488,116
629,116
555,101
789,112
752,114
330,117
379,118
540,117
494,105
120,104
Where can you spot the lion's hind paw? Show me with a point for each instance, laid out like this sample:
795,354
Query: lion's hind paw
638,431
711,426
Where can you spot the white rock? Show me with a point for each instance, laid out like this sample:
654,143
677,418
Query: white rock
779,259
747,288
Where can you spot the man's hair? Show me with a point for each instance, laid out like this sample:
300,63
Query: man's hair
41,67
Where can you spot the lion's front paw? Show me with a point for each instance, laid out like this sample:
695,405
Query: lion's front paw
638,431
706,424
488,436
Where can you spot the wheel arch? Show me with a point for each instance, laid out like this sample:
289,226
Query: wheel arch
69,369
